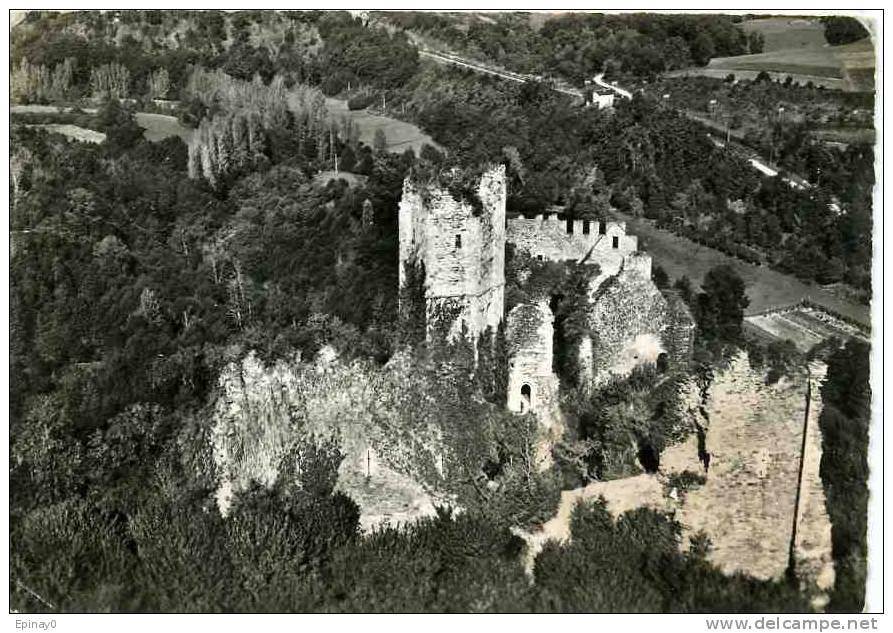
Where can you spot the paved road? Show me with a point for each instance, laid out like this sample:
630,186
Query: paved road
599,81
454,60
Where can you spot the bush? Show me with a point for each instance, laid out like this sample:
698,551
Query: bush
360,102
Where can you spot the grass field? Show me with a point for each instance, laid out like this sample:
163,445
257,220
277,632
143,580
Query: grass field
783,33
73,132
400,135
160,126
766,288
797,47
157,126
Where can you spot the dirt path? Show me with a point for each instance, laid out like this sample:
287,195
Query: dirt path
620,495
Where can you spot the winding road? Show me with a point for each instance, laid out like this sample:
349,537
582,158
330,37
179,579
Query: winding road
454,60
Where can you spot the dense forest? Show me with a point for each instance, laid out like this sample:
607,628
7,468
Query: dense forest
840,29
328,49
144,274
576,46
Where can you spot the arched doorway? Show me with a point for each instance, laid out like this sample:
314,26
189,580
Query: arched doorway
526,398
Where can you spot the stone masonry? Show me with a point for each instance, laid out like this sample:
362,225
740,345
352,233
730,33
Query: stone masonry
533,386
463,252
631,321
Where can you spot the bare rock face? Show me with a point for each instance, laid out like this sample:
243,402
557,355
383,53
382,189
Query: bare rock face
261,411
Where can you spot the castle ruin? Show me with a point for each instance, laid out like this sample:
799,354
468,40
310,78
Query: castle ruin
462,248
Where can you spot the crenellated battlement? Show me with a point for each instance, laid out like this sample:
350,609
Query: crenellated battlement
552,236
555,237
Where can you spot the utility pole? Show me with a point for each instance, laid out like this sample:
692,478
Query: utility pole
792,547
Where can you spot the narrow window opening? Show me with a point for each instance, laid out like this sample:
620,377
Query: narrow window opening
585,227
601,228
615,242
458,241
569,226
526,398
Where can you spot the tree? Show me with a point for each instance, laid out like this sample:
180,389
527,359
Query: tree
702,48
683,287
720,306
755,42
845,423
348,159
121,129
840,29
159,84
380,142
109,81
659,276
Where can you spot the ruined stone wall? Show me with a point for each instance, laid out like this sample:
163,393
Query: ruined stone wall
463,252
553,237
747,504
529,333
812,546
628,319
632,323
679,335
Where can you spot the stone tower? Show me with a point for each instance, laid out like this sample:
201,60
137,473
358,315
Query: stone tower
461,243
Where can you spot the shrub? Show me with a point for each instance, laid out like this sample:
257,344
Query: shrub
360,102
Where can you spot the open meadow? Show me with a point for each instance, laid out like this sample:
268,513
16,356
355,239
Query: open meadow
766,288
400,135
797,47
